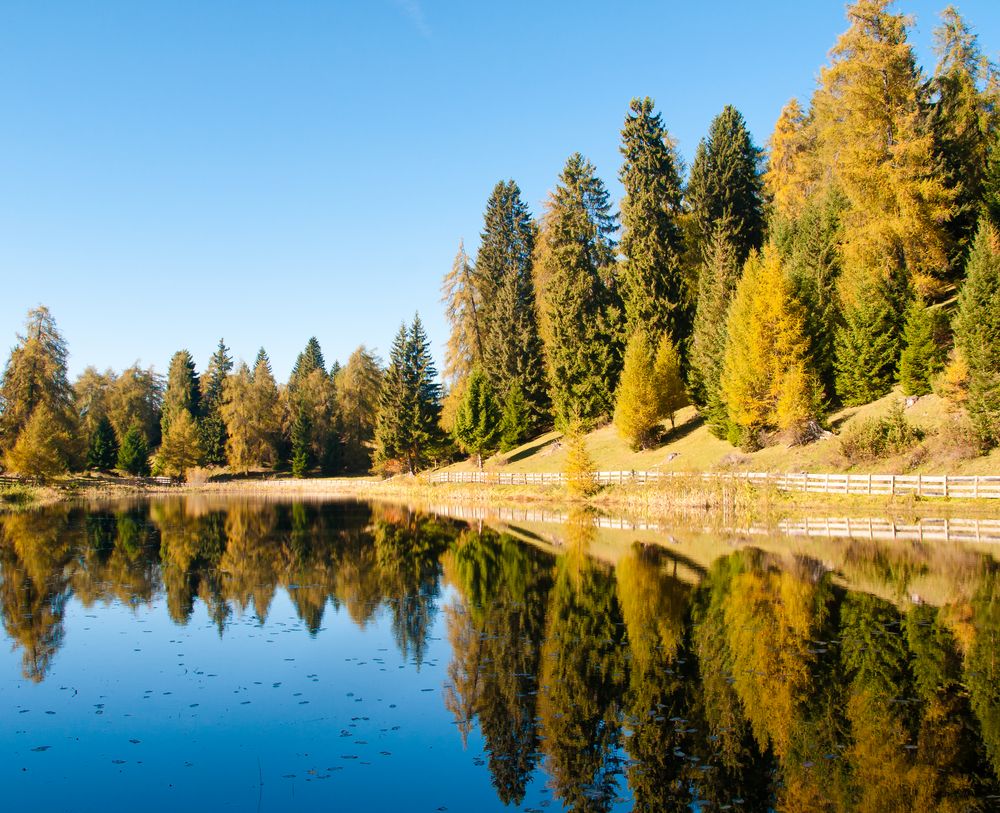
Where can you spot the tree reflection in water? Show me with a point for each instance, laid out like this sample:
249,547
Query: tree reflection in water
761,682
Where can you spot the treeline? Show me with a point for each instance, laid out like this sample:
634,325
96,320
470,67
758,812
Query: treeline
860,251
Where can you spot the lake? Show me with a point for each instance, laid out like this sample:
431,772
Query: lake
199,653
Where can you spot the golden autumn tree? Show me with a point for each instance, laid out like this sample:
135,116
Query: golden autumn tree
766,379
792,171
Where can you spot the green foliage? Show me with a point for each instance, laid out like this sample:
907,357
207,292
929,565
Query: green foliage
309,360
477,423
181,447
512,345
876,438
515,422
580,310
211,426
102,452
924,351
977,333
869,342
43,447
133,455
638,410
183,393
302,457
654,286
358,386
136,396
726,183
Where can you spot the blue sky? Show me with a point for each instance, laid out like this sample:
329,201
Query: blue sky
173,171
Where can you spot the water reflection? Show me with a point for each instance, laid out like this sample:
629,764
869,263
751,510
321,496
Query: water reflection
670,679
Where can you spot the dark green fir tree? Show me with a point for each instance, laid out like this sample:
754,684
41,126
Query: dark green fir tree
102,453
133,455
477,422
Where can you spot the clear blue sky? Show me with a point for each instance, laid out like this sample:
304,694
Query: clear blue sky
173,171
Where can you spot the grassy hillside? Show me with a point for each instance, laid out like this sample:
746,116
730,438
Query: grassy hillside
691,447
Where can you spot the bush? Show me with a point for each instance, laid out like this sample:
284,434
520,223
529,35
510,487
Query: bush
876,438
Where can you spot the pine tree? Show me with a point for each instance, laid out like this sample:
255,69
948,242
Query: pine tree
41,446
36,375
671,393
726,182
923,353
512,346
393,408
515,422
869,342
875,142
477,424
717,280
211,427
765,362
133,455
183,393
357,397
310,387
581,313
654,286
977,333
302,456
965,117
181,446
637,409
102,452
307,361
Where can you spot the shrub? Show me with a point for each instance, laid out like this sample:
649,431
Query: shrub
876,438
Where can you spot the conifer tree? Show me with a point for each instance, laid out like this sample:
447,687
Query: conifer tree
181,446
765,378
792,175
875,142
923,353
580,308
463,302
977,333
41,446
726,182
238,413
718,277
310,359
869,341
637,409
90,396
580,473
671,393
358,387
133,455
515,420
35,375
654,288
183,393
136,396
991,185
477,423
310,387
965,119
391,427
102,452
512,346
302,456
211,426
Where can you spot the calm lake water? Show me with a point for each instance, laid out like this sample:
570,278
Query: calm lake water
224,655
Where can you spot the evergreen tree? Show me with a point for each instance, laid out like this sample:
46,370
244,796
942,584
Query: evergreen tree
90,396
991,185
512,346
358,387
391,429
35,375
310,387
637,409
726,182
515,420
765,368
181,446
102,452
183,393
580,309
302,456
41,446
477,424
965,119
717,280
671,394
307,361
136,396
923,353
211,426
977,333
869,342
654,287
133,455
874,141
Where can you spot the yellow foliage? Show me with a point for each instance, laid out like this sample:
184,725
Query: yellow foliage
580,480
42,446
792,172
181,449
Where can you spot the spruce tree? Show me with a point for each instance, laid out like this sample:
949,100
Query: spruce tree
515,421
654,286
211,427
718,277
183,393
512,346
102,452
869,341
133,455
310,359
977,333
923,352
310,387
726,182
393,408
477,423
579,305
302,455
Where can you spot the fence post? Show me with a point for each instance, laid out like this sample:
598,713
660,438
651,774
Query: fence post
869,485
892,485
946,490
920,491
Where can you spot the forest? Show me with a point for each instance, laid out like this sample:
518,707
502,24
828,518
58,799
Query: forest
857,251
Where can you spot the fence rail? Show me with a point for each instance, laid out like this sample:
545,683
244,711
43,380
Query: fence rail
918,485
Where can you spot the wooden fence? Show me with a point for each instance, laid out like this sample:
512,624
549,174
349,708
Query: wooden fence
918,485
